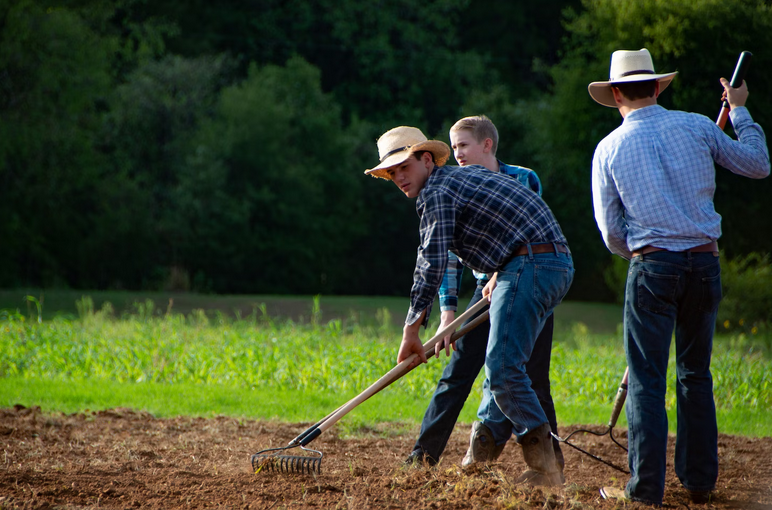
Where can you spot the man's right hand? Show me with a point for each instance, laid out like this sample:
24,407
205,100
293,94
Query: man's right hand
411,343
736,97
447,317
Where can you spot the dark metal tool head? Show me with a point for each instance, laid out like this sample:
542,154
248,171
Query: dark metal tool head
270,461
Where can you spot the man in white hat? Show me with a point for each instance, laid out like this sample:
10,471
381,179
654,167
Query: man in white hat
653,180
493,224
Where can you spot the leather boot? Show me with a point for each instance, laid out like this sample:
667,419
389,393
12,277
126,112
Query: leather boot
482,446
539,455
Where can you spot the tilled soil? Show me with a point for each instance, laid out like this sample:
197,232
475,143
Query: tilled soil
125,459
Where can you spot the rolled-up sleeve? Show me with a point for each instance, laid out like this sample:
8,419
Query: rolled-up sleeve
451,283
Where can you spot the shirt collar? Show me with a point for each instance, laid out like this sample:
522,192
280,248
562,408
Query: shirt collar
645,112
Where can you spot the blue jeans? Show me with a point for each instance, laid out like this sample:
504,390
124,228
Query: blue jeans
528,289
460,374
667,291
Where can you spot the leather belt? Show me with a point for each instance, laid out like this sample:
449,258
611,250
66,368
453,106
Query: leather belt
710,247
541,248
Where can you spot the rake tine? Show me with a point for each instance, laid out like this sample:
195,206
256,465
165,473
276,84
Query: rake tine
299,464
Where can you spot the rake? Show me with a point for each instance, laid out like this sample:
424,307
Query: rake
273,460
619,401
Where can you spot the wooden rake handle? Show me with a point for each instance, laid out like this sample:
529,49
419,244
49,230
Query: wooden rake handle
429,352
619,400
395,373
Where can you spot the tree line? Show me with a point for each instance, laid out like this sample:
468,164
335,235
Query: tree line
219,146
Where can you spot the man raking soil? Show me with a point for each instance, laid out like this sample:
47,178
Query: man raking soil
494,225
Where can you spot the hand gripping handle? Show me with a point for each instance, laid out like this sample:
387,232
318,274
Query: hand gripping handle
737,79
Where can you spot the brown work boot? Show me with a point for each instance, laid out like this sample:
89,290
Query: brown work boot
539,455
482,446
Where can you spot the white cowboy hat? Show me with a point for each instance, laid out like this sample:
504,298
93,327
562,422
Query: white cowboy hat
627,66
398,144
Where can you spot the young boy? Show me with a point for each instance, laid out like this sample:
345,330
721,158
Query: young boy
494,225
474,141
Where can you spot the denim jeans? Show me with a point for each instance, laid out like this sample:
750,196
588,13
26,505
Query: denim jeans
667,291
528,289
460,374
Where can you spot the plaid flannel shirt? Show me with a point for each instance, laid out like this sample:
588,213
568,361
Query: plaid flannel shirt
451,282
653,178
479,215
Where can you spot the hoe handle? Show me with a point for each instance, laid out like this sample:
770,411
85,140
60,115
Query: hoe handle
392,375
737,79
619,401
429,352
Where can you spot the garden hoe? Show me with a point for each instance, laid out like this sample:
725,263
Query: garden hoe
619,401
273,460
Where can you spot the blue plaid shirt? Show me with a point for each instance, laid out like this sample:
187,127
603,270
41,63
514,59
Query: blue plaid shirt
451,282
479,215
653,178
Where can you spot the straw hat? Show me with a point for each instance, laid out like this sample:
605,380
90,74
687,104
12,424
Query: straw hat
398,144
627,66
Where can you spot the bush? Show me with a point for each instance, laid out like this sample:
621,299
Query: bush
615,276
746,284
747,287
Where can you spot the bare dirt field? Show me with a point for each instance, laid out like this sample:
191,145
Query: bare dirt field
125,459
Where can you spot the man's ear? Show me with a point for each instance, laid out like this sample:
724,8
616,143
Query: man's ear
617,95
428,159
487,145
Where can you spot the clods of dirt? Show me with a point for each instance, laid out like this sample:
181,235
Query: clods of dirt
125,459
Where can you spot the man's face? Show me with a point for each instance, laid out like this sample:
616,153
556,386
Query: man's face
411,175
466,149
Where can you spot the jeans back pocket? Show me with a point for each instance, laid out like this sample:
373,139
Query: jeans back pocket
656,292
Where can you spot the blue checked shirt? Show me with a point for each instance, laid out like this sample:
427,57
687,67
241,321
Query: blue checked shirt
479,215
451,282
653,178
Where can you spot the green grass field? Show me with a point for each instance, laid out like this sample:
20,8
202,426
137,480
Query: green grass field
258,365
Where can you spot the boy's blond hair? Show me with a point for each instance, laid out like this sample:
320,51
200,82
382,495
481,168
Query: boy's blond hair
481,128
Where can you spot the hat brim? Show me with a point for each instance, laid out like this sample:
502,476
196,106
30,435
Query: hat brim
439,149
600,91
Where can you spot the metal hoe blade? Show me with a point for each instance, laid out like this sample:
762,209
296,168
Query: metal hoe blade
619,401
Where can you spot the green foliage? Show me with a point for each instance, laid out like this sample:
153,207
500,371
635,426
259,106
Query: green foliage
339,358
392,62
148,131
58,68
746,306
747,286
615,277
264,185
220,146
54,68
701,40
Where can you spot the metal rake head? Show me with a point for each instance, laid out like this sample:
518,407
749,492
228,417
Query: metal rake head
297,464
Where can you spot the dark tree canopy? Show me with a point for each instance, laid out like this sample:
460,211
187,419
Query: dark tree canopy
220,146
